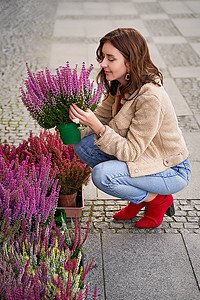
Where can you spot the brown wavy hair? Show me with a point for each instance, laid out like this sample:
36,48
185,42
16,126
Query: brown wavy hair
133,47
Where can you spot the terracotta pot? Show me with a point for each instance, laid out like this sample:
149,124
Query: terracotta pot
72,212
68,200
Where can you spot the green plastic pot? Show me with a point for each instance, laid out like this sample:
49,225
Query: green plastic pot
69,133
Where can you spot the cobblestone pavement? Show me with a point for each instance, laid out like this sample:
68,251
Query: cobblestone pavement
42,32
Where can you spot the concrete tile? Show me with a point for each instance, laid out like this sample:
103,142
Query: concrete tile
122,8
179,55
149,267
69,28
92,249
155,56
134,23
184,72
62,52
140,1
197,117
69,9
162,28
194,6
102,195
196,47
192,140
192,242
179,103
192,190
98,28
154,16
169,39
149,8
96,8
175,7
188,27
90,191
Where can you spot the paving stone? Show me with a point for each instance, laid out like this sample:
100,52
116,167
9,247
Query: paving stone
188,27
178,6
147,256
193,219
176,225
191,225
179,103
192,213
161,28
92,250
98,213
192,242
180,213
185,72
180,219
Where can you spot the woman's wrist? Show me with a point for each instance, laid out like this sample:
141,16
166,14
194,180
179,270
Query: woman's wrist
100,131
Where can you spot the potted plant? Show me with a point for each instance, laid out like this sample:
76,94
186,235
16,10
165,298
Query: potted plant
71,172
48,97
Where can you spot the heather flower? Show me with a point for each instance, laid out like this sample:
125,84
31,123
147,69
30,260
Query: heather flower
72,172
39,265
28,191
48,97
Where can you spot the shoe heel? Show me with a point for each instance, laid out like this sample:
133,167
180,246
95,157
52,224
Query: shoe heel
171,211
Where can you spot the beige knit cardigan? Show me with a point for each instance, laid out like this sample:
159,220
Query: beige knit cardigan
144,133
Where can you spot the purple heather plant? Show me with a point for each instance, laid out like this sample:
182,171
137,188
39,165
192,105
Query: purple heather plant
47,97
28,191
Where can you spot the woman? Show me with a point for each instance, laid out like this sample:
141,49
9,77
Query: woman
133,142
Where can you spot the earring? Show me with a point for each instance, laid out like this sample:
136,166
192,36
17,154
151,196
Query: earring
127,76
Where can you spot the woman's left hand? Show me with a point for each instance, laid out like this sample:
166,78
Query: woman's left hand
86,117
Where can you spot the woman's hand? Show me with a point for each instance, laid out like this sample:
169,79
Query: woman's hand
86,117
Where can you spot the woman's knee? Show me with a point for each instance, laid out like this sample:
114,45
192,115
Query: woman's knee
98,175
77,147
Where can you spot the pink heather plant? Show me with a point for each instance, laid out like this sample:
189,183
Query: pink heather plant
72,172
47,96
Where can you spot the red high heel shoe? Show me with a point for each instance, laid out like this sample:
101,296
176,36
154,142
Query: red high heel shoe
130,211
155,211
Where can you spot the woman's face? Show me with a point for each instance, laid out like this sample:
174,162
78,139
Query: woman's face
113,63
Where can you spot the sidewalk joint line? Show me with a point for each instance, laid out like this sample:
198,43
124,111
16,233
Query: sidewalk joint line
190,262
104,283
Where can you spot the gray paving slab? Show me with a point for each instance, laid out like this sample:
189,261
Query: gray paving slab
192,243
185,72
188,27
92,249
175,6
180,105
193,143
192,190
147,267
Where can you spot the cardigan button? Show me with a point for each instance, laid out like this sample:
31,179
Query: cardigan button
136,171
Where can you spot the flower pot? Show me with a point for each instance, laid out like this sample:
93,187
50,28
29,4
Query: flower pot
72,212
68,200
69,133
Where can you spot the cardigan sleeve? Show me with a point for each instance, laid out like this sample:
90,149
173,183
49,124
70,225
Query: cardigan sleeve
144,126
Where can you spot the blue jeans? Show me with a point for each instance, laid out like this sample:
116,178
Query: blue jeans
112,176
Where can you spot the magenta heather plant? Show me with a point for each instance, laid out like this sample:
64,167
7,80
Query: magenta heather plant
28,191
47,96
